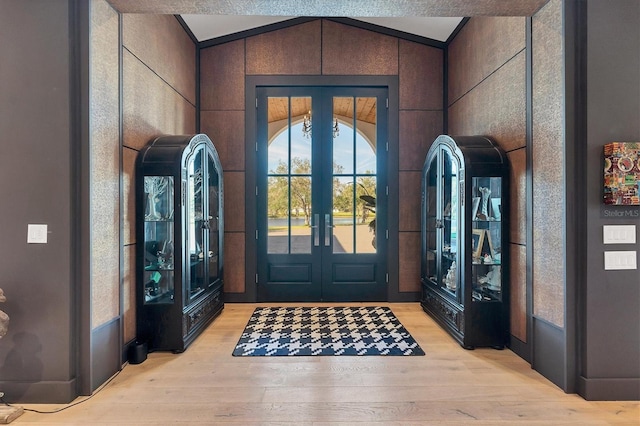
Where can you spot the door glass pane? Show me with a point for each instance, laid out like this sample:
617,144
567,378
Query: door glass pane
365,166
343,135
278,214
430,229
301,129
343,217
300,227
366,214
195,222
158,240
289,175
449,224
278,134
486,238
354,175
214,224
366,140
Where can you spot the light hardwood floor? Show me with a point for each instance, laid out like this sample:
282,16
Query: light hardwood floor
205,385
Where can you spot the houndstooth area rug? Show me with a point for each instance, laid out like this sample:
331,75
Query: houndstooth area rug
286,331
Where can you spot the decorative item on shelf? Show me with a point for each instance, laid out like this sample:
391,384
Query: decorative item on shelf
496,209
622,173
484,206
450,279
492,278
165,256
481,246
154,186
447,210
477,241
474,210
152,287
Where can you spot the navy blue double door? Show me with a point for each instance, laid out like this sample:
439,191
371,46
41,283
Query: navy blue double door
322,193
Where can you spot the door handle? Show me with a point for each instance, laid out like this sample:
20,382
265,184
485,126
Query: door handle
327,230
314,227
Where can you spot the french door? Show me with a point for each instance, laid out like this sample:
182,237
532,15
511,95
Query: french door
321,193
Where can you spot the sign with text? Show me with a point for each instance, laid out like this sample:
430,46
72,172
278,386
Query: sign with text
620,212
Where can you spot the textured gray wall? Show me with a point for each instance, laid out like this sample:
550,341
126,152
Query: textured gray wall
487,96
105,160
548,148
334,8
158,81
36,186
611,362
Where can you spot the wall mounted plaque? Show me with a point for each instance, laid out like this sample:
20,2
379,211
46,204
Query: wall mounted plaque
622,173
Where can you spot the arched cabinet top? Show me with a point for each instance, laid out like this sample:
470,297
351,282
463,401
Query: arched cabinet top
474,150
175,149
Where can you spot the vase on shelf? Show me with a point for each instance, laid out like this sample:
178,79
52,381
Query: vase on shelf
154,186
484,204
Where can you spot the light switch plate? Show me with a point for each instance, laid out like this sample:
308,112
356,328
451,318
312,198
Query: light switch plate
619,234
616,260
36,234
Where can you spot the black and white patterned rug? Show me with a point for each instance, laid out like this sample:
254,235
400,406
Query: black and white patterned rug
284,331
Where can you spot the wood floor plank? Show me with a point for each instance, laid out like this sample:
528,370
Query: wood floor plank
206,385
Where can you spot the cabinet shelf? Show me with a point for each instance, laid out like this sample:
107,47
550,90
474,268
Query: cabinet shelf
449,256
468,296
474,263
156,268
163,298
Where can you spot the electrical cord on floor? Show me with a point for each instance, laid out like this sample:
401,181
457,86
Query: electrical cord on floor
68,406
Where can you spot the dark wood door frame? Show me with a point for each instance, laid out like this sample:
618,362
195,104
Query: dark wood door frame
251,84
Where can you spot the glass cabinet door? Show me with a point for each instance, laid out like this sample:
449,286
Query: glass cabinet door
449,223
430,251
486,238
195,226
158,240
440,227
214,221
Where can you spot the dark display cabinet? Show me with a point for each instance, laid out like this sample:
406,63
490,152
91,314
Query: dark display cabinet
179,237
465,199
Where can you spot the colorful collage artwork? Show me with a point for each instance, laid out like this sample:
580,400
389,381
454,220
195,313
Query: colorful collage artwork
622,173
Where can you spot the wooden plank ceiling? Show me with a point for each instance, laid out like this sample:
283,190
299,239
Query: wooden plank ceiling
342,107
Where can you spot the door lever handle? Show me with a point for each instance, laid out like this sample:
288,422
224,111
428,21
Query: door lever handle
314,227
327,230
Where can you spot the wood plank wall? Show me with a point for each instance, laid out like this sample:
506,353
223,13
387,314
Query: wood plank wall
487,96
322,47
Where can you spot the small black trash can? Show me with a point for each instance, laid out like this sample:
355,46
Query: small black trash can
137,352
